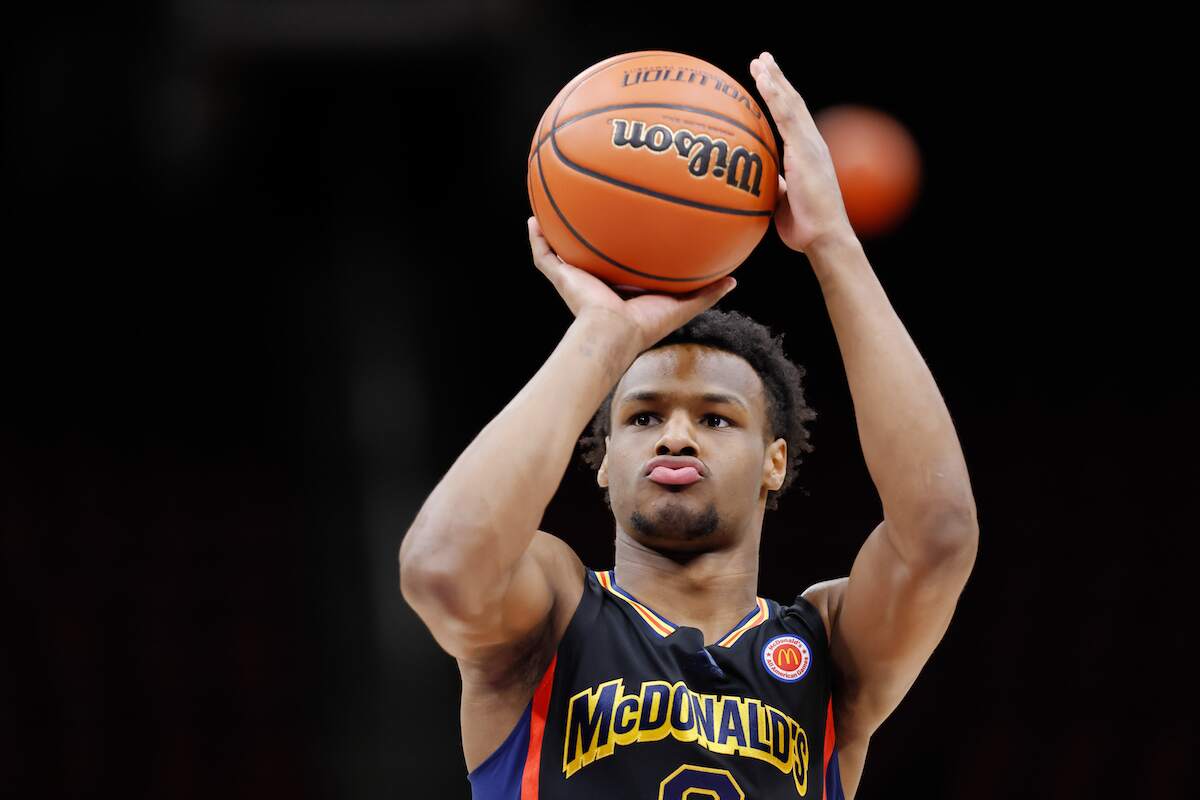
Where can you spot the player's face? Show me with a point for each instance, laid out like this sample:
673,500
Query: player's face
703,412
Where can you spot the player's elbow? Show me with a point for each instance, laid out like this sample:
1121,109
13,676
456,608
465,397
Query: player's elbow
428,589
415,580
431,584
413,566
947,540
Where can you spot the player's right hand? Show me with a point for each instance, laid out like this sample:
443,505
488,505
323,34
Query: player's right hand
652,315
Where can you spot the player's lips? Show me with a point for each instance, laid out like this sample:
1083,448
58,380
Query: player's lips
675,470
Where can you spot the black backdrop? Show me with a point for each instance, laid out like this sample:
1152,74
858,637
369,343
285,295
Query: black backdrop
267,276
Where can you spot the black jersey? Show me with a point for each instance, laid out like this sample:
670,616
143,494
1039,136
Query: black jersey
633,706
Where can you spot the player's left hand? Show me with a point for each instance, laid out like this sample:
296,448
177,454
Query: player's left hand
810,201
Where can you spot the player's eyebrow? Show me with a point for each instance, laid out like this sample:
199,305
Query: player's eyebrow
708,397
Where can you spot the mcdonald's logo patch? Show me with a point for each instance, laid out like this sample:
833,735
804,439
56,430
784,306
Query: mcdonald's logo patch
787,657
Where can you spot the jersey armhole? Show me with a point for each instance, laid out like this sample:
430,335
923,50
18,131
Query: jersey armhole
494,775
810,616
512,771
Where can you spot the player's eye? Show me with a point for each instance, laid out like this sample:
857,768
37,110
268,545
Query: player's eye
719,419
640,415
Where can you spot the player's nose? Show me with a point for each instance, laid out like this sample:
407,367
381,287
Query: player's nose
678,437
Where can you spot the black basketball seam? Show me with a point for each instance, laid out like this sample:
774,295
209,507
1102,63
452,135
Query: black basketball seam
550,195
529,188
670,198
585,114
586,76
634,187
537,151
594,249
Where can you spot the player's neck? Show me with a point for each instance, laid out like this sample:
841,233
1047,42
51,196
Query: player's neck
710,591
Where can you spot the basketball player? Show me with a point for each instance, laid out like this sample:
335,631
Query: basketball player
667,677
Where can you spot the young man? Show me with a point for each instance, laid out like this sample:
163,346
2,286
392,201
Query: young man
667,676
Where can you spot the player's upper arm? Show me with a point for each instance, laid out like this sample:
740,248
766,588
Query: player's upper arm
523,608
884,622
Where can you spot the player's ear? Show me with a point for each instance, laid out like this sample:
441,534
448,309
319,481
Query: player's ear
602,473
775,464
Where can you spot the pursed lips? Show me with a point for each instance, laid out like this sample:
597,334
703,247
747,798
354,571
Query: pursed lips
675,470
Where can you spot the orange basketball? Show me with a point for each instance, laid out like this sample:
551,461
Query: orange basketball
877,163
654,170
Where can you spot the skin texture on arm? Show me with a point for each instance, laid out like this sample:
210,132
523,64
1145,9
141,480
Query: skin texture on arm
886,618
466,565
495,592
902,590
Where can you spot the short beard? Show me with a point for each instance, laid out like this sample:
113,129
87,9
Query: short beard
675,521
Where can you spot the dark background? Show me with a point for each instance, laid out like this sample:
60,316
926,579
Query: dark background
267,275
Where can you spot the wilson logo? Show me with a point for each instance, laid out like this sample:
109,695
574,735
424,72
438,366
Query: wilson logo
705,156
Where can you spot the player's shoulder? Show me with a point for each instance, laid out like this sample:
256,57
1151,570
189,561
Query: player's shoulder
558,560
826,598
500,664
565,574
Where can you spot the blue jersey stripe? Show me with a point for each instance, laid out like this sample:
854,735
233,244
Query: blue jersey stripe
833,779
499,776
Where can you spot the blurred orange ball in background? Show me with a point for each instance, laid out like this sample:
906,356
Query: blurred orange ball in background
877,162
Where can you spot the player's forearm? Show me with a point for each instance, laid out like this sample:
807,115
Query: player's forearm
908,439
482,515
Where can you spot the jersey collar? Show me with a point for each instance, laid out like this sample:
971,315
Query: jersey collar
663,627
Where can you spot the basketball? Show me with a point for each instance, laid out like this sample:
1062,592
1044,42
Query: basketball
877,163
654,170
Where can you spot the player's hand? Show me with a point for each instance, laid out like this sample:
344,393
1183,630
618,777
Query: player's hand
810,203
649,316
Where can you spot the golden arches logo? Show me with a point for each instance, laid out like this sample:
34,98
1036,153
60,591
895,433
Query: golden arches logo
787,657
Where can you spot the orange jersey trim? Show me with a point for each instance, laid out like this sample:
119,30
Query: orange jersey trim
764,611
656,623
664,628
531,774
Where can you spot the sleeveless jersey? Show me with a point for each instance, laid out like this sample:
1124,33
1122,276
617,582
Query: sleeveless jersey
633,706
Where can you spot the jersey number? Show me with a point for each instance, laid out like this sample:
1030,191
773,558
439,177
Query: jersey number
690,782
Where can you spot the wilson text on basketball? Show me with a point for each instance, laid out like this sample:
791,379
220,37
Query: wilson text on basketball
741,168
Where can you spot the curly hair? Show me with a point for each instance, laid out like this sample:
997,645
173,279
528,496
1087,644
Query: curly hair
740,335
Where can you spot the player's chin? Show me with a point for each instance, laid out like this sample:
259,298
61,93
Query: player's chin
659,499
671,522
